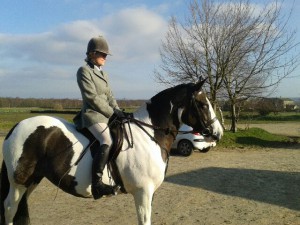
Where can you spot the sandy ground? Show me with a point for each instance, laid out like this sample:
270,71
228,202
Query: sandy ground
223,186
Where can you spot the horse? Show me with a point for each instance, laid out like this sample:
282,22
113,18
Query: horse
49,147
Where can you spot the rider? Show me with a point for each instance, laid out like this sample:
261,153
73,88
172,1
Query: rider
98,106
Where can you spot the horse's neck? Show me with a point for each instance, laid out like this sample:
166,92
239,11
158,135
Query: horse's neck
153,114
164,115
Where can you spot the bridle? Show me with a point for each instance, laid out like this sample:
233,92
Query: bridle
206,126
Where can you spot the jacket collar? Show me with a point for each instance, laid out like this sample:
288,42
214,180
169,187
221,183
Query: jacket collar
96,70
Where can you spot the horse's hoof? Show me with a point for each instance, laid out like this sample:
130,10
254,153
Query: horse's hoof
117,189
96,195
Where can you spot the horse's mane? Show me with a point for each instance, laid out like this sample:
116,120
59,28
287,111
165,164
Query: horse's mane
176,94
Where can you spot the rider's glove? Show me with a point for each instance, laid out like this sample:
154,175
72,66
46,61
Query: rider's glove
119,113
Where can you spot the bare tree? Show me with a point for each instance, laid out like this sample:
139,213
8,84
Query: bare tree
243,49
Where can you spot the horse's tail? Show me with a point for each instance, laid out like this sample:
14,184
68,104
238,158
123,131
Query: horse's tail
22,215
4,188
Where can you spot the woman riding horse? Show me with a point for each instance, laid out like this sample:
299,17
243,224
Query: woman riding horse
98,106
49,147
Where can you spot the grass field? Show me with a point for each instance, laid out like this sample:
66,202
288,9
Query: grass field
10,116
256,137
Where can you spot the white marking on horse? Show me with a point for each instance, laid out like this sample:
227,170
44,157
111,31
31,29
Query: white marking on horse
216,124
179,113
171,107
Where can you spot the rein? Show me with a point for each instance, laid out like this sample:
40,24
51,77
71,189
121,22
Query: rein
141,125
166,130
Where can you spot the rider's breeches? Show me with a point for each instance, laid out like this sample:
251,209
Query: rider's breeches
102,133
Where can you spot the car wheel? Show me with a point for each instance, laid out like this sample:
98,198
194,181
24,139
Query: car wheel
185,148
205,150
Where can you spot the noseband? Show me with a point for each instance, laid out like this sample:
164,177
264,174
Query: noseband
205,126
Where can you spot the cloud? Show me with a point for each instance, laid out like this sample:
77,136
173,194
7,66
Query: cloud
130,32
135,33
59,46
134,36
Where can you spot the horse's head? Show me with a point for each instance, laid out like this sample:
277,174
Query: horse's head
199,114
185,103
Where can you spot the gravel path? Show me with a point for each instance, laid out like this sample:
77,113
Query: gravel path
220,187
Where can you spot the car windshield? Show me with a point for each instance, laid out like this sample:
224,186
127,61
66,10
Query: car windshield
185,127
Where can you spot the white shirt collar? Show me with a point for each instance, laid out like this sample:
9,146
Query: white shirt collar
99,68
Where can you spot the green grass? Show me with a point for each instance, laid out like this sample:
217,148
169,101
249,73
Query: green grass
255,137
10,116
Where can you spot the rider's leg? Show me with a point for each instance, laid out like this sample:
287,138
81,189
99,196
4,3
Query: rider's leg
102,134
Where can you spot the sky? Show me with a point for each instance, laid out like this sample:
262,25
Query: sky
43,43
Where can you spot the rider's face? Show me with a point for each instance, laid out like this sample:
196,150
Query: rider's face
99,58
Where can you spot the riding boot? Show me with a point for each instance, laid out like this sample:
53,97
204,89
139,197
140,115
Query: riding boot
98,187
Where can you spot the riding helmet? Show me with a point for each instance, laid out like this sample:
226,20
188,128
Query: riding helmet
98,44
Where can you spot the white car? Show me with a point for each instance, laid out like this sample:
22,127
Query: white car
185,144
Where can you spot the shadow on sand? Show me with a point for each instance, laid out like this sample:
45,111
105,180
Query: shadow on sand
273,187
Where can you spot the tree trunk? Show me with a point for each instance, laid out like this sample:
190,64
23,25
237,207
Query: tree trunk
222,118
233,118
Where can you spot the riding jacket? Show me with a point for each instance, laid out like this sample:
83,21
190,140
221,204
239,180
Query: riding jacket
98,102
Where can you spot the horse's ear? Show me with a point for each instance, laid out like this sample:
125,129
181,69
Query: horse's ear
199,84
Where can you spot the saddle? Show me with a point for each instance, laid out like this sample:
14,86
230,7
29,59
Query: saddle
117,130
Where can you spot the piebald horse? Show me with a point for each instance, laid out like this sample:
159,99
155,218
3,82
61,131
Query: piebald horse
50,147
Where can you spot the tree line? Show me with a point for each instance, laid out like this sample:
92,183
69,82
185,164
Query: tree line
40,103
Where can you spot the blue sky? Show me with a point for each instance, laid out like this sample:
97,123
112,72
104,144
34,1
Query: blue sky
43,43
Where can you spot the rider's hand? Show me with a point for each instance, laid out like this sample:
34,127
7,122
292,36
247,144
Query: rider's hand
128,115
119,113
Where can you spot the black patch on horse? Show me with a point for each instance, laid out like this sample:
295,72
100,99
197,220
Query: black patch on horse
47,152
163,112
160,107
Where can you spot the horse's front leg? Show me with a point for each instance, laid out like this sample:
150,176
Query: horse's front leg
143,204
12,201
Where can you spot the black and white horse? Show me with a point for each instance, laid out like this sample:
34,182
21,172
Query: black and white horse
49,147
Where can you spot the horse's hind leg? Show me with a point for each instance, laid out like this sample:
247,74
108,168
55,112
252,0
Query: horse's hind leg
11,203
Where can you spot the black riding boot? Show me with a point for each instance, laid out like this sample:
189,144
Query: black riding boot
98,187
